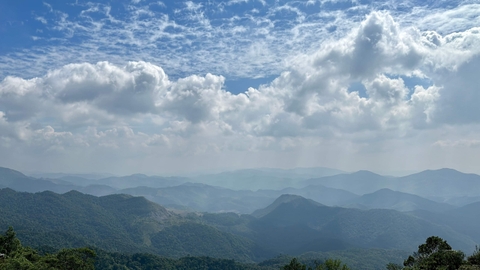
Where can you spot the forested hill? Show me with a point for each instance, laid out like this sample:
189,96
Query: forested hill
116,223
309,226
290,225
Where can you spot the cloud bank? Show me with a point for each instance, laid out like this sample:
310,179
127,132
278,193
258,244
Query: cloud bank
383,94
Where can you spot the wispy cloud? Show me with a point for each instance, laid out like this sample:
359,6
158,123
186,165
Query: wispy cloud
148,78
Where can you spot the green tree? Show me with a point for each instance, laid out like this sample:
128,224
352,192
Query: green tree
9,242
331,264
18,257
474,259
76,259
295,265
394,266
435,254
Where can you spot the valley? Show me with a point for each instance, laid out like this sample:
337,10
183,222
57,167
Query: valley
174,217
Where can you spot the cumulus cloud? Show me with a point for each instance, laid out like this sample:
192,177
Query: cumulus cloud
137,108
312,95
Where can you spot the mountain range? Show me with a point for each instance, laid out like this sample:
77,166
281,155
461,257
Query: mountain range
290,225
439,185
178,216
347,189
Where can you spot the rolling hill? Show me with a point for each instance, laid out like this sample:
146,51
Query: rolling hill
264,178
20,182
116,223
396,200
361,182
439,185
206,198
291,218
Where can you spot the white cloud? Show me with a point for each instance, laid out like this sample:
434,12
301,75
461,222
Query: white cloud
41,19
127,111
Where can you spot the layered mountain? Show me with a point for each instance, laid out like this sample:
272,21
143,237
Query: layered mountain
464,219
171,191
439,185
445,183
361,182
396,200
264,178
296,200
18,181
123,182
322,194
290,225
115,223
293,224
136,180
206,198
99,187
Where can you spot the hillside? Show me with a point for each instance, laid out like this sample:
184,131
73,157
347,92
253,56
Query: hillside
444,183
464,219
404,202
440,185
361,182
264,178
20,182
136,180
299,201
115,223
322,194
305,225
206,198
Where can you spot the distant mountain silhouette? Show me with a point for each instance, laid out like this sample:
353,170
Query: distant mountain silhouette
324,195
136,180
389,199
20,182
298,201
360,182
440,184
291,218
264,178
206,198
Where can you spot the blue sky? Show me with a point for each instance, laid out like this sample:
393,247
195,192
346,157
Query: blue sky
170,86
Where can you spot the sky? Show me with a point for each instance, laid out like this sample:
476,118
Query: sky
166,87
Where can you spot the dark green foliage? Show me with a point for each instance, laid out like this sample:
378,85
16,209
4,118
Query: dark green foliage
18,257
116,223
78,259
361,259
197,240
435,253
9,243
118,261
73,219
122,223
474,259
294,265
329,264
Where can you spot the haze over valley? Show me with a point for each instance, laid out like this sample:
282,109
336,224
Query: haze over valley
310,212
239,134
